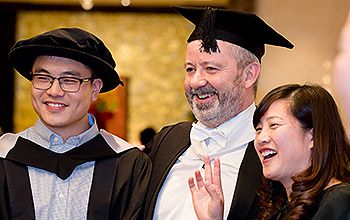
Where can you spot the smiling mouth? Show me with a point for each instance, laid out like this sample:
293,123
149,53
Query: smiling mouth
205,96
55,105
203,93
267,154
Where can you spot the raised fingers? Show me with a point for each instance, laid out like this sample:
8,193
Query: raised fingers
199,179
208,172
217,173
191,184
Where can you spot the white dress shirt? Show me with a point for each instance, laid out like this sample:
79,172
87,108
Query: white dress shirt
174,199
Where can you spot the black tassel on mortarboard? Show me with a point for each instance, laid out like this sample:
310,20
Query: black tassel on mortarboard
208,32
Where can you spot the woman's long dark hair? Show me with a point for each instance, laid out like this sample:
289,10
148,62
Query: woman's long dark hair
315,109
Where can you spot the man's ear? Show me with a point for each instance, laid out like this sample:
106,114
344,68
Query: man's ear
97,85
252,72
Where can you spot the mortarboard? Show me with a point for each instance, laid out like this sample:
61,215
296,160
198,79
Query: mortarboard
244,29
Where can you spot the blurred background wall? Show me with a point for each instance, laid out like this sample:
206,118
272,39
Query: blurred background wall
148,42
313,27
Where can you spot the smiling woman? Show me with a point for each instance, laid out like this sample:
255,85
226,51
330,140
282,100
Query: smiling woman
283,144
305,160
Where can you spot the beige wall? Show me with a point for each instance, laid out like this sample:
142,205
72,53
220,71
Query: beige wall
313,26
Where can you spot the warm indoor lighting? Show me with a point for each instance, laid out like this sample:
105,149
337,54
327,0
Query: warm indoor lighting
87,4
125,2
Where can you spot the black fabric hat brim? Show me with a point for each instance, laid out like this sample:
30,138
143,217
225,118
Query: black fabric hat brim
23,57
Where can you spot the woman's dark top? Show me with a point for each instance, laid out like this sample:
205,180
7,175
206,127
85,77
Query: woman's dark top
334,204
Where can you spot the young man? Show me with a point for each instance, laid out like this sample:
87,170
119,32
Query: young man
63,167
222,69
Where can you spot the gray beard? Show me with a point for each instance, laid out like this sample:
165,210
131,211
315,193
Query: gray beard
227,106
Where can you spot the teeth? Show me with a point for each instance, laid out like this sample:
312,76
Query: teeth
204,96
268,153
55,105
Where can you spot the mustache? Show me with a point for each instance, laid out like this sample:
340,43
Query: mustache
203,90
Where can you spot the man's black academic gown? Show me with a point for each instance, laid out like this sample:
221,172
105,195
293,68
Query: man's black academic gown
117,191
171,142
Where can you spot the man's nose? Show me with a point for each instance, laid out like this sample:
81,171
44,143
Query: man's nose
55,89
198,80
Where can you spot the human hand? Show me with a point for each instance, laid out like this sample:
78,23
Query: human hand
207,197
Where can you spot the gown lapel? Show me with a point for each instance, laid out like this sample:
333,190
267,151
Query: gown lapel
169,148
19,191
102,189
249,179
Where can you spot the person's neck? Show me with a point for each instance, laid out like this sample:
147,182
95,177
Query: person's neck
288,187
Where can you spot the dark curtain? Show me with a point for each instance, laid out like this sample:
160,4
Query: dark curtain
7,39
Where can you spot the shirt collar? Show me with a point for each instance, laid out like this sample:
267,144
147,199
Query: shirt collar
237,129
238,126
48,136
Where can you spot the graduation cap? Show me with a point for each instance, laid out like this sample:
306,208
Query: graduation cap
72,43
244,29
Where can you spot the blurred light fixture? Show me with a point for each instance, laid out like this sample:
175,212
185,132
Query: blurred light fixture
87,4
125,2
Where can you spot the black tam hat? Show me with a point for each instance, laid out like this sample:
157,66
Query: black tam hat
72,43
244,29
